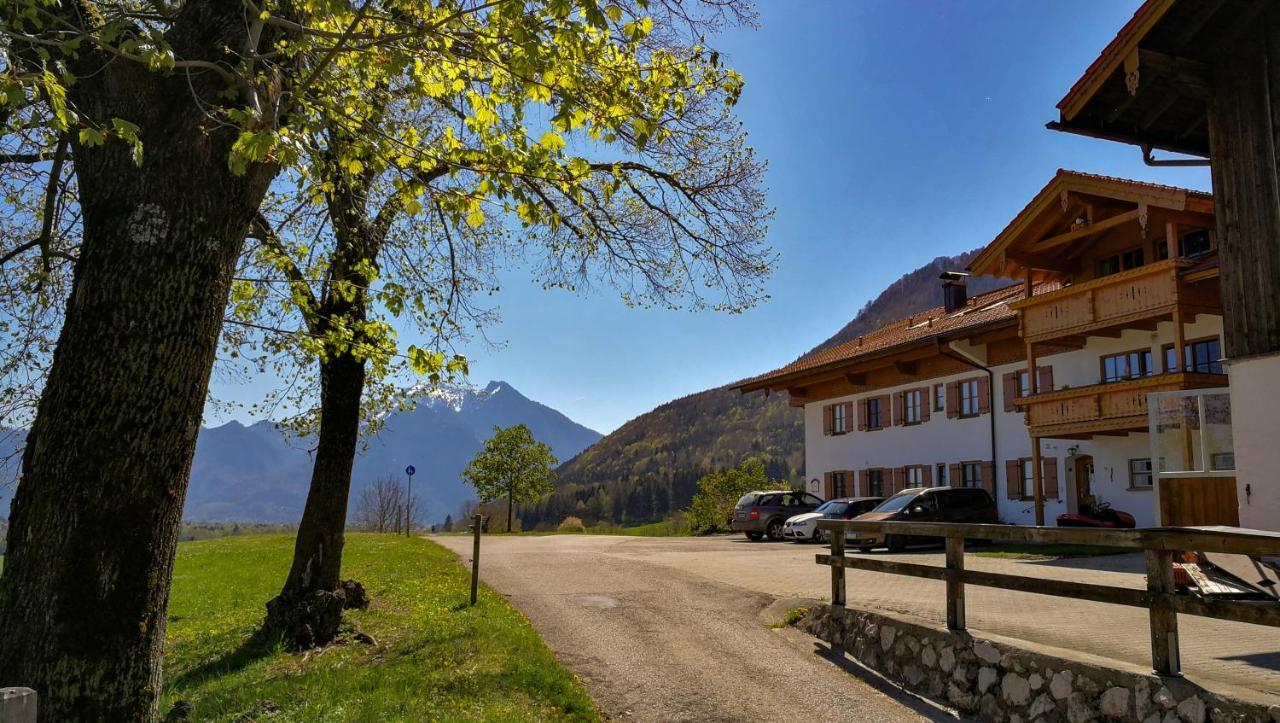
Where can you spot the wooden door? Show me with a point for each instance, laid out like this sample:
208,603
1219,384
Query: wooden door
1188,501
1084,480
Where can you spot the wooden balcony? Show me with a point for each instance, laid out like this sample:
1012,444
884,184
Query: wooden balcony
1113,302
1118,408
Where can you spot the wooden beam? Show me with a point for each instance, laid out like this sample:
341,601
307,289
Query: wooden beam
796,391
1190,77
905,367
1042,262
857,379
1090,230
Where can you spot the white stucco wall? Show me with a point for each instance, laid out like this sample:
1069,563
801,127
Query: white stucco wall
949,441
1255,397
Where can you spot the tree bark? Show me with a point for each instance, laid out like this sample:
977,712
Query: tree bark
308,610
94,522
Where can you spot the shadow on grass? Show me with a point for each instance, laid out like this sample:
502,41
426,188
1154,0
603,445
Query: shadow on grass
258,646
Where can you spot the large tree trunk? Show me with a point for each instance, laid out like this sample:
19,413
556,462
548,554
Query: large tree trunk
308,610
95,519
94,522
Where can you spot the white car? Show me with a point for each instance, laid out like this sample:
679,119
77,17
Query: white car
804,527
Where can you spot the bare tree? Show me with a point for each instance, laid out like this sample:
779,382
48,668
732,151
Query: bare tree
381,507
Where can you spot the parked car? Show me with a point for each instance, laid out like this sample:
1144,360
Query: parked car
764,513
927,504
804,528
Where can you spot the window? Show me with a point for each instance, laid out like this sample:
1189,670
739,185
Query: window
939,397
1131,259
839,419
1140,473
1127,365
913,476
1195,242
940,474
875,416
1023,379
1203,356
911,402
839,484
970,474
875,483
969,398
808,499
1028,478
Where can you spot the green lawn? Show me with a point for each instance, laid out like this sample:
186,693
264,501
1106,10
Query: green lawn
435,657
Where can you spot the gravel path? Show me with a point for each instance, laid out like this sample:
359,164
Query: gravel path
656,643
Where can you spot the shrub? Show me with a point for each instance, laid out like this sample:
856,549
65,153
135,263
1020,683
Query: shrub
719,491
572,524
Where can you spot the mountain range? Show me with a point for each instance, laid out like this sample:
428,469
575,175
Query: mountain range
648,468
257,473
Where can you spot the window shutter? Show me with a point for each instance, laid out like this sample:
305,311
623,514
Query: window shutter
899,409
953,400
925,403
1013,479
1049,465
862,415
926,475
1010,382
1044,380
955,473
899,480
989,478
828,421
984,395
862,490
848,416
885,413
827,483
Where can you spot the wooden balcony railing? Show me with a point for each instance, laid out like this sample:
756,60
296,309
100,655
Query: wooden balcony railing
1117,407
1111,301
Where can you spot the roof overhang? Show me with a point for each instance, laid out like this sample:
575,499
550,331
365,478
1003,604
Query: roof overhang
879,358
1151,85
1044,237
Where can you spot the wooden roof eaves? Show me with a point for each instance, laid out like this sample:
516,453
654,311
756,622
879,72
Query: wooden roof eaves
992,261
782,381
1112,57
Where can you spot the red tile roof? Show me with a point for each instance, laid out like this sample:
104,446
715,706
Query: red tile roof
980,311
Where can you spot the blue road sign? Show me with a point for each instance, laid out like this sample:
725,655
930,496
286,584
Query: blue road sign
410,470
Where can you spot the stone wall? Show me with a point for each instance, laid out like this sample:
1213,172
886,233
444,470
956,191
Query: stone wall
998,682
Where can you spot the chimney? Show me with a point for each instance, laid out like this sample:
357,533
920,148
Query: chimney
955,290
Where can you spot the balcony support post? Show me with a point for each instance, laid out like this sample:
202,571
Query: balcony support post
1037,477
1171,238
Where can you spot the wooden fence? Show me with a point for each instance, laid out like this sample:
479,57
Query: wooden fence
1160,545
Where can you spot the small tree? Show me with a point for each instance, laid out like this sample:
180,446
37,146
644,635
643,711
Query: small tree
381,507
718,492
513,465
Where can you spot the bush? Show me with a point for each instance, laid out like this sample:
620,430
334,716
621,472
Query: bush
572,524
719,491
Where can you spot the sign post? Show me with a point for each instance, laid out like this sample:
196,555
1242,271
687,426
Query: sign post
476,521
408,500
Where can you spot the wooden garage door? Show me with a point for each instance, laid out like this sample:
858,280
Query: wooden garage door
1199,501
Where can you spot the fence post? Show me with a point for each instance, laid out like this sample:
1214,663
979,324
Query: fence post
1165,659
837,567
475,556
17,705
955,586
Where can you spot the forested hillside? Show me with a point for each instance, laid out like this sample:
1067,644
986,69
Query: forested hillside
649,467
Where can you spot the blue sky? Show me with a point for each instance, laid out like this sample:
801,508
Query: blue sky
896,131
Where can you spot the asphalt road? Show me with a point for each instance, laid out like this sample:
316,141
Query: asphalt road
652,642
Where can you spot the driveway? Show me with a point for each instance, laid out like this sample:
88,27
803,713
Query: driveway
668,628
654,642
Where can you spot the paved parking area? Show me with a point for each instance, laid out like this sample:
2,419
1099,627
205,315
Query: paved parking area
1236,654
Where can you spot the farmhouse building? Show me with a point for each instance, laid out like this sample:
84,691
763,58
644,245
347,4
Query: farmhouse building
1036,392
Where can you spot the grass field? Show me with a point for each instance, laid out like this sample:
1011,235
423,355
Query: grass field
435,658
